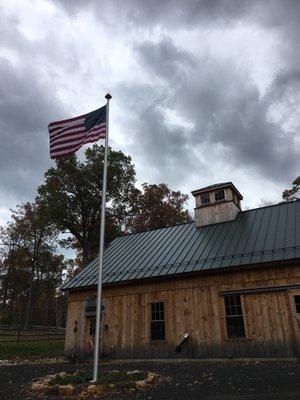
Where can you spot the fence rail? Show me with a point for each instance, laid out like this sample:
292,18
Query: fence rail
17,334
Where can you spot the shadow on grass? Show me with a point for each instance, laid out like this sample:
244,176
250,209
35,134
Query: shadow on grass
10,351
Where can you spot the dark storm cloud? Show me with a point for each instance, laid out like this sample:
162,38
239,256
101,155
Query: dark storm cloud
166,60
161,148
26,106
183,13
225,107
166,12
222,106
28,102
218,98
188,14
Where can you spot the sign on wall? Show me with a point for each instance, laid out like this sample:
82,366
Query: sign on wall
90,306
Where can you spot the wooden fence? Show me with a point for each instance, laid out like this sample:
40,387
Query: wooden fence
17,334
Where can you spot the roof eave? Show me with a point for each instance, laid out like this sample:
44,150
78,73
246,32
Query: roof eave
222,186
236,268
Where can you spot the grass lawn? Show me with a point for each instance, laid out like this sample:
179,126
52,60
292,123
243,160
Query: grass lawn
32,349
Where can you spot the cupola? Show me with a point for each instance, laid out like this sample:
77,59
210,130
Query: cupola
216,203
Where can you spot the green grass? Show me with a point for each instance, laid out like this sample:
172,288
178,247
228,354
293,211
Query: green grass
78,379
31,350
106,378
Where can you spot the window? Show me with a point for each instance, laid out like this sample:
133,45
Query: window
219,195
157,321
204,198
297,303
234,317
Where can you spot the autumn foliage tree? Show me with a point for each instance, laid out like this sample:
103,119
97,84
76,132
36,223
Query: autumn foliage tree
72,192
67,212
71,198
293,193
156,206
31,269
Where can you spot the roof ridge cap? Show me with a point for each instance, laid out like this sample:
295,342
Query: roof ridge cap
155,229
282,203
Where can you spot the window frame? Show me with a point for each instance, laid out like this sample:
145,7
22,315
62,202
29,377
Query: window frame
297,303
157,321
206,197
237,313
217,193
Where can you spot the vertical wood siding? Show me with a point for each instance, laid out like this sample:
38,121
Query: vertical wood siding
194,305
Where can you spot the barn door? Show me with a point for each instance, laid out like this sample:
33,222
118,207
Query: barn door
269,324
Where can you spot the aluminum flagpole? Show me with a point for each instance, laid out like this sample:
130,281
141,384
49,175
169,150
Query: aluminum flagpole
101,248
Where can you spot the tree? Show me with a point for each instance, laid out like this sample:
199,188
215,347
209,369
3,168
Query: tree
72,192
293,193
34,237
157,206
41,287
31,267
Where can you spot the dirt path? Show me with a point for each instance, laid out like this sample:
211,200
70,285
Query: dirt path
205,381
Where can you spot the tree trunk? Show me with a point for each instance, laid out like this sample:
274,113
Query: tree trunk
4,299
85,252
5,290
14,313
28,308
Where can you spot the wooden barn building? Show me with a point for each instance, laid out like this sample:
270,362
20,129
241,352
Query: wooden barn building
230,281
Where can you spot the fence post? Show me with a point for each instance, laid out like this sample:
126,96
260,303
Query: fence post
48,335
18,335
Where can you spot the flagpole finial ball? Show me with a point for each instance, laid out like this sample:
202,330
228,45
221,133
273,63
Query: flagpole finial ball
108,96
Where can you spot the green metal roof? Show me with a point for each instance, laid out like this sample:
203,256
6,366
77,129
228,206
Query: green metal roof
256,236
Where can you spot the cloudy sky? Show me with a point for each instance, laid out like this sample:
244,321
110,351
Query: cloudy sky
204,91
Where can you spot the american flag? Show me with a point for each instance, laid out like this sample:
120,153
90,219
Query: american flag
67,136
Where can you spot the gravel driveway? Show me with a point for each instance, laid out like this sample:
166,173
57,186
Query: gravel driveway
211,381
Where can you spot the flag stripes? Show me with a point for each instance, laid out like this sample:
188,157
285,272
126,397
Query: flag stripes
67,136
